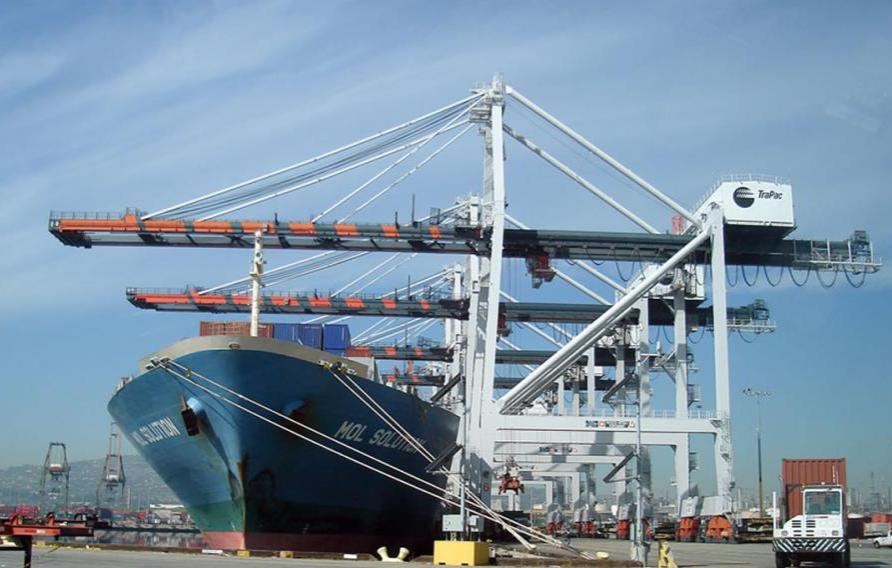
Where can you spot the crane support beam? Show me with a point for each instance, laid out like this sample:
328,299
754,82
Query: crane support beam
426,380
110,229
441,308
559,361
603,356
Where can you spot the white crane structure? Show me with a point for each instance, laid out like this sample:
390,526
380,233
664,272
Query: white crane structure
743,223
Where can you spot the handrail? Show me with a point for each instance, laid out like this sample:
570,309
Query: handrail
420,294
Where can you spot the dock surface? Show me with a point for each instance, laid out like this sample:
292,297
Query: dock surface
685,554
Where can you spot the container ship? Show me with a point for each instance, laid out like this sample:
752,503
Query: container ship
251,485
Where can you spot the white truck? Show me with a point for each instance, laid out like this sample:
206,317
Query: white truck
818,533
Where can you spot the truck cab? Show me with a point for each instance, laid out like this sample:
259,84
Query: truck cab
818,533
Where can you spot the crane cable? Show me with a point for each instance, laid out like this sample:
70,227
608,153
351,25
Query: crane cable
399,160
187,378
381,413
400,179
354,144
252,191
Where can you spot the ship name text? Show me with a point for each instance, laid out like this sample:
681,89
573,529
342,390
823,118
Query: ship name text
155,431
356,432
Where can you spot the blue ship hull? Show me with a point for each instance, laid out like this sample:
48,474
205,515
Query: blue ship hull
248,484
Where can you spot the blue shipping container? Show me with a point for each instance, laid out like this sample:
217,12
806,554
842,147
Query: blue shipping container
302,333
310,334
286,332
335,336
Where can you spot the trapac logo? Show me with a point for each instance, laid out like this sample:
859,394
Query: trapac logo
770,194
744,196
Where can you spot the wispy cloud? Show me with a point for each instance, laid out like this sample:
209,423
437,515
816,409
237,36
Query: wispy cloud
147,104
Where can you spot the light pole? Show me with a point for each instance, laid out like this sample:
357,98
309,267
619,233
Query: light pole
758,395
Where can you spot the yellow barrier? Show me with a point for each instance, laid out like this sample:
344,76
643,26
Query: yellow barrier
243,553
286,554
461,553
666,560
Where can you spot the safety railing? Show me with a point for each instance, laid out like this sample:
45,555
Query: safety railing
632,413
422,294
94,215
749,177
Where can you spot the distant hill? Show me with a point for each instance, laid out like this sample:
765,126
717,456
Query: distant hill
20,484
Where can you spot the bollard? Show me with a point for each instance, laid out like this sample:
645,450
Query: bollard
401,557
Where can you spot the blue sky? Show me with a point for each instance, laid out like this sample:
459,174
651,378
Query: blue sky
108,105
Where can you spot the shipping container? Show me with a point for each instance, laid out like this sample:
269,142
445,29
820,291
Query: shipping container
335,337
881,518
234,328
796,473
309,334
876,529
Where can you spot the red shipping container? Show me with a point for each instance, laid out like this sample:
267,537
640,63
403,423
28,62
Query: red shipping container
234,328
881,518
796,473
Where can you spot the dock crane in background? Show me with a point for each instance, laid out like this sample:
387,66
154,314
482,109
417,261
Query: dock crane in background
112,481
54,480
744,222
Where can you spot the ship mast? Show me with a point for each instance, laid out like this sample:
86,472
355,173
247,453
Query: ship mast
256,284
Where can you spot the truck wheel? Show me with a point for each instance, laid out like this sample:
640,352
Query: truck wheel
876,544
780,560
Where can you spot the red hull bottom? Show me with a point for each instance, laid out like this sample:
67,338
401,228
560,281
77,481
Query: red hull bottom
348,543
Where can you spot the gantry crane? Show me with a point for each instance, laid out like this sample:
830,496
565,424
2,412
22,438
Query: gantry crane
112,481
744,222
54,480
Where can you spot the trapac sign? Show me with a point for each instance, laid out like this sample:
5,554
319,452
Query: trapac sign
755,201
